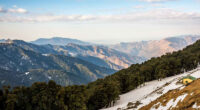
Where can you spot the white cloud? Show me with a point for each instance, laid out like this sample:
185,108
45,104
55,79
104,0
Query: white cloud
17,10
2,10
139,7
13,10
156,14
164,14
14,6
47,18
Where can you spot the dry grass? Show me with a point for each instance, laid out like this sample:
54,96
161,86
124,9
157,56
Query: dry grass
193,91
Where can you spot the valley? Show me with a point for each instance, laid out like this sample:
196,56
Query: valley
70,66
99,55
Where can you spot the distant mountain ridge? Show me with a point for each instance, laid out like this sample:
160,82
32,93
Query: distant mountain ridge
156,48
58,41
31,67
2,40
116,57
96,95
98,55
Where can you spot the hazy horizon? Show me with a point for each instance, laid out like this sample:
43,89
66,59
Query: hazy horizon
104,42
100,21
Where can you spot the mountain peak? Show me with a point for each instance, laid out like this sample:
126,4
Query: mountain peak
58,41
8,41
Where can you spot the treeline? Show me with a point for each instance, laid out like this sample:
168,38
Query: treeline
103,92
50,96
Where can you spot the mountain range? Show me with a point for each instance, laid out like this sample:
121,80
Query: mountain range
98,55
31,67
153,84
68,63
155,48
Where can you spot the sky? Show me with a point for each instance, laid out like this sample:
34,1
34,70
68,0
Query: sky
99,21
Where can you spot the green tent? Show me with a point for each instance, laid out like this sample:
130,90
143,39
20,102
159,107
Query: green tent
189,77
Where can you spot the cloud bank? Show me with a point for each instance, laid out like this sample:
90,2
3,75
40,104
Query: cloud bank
13,10
156,14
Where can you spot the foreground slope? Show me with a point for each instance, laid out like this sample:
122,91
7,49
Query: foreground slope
102,93
145,94
167,65
185,98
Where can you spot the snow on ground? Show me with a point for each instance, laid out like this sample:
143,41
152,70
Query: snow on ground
49,77
171,103
195,106
196,74
27,73
152,90
46,54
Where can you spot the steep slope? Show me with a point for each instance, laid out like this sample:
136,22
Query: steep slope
104,93
158,68
98,55
185,98
148,94
58,41
13,78
64,70
113,58
155,48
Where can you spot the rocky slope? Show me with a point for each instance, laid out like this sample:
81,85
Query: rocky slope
187,98
112,58
155,48
98,55
159,95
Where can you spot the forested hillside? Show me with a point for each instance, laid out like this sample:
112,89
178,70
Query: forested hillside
103,92
27,67
98,55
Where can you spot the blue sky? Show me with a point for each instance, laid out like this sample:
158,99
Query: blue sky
103,21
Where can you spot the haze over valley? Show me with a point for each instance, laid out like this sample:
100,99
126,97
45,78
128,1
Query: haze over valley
99,54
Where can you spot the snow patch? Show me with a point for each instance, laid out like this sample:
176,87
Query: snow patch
26,73
181,87
46,54
195,106
171,103
49,77
147,93
25,58
72,54
196,74
3,81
